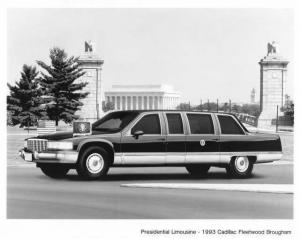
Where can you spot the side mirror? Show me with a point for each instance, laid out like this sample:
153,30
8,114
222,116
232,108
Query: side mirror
137,133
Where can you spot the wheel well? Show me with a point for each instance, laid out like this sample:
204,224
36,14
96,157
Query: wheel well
105,146
251,158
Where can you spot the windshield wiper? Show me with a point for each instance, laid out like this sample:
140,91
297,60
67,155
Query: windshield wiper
106,129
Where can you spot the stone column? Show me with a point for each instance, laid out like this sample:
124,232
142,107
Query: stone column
92,104
128,103
134,101
152,103
118,103
167,103
145,102
115,102
148,103
273,77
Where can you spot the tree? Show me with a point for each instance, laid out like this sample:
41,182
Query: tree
224,107
25,98
108,106
236,108
184,106
288,108
60,87
251,109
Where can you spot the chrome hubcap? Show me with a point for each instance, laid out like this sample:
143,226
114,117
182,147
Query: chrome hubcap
241,164
94,163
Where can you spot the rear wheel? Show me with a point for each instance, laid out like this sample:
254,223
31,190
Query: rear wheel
240,167
54,171
93,163
198,170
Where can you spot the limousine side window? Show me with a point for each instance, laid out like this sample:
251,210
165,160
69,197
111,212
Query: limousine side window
175,123
201,124
149,124
229,125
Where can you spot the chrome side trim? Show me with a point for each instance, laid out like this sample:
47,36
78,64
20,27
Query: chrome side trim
175,158
191,157
202,158
144,158
118,159
261,157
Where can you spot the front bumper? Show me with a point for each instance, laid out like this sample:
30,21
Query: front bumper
65,157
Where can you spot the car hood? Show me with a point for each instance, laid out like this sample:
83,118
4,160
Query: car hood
57,136
64,135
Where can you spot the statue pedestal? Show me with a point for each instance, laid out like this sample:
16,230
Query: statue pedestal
265,119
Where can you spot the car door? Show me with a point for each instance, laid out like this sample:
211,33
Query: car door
233,138
175,146
148,148
202,141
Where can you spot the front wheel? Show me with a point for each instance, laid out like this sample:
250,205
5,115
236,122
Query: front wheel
240,167
54,171
93,163
198,170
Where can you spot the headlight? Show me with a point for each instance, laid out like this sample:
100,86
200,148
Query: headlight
60,145
25,144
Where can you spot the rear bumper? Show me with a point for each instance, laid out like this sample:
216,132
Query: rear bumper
268,157
64,157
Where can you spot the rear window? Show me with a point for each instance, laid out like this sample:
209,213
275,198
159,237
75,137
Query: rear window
201,124
175,124
229,125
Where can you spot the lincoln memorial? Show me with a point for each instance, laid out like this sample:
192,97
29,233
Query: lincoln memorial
143,97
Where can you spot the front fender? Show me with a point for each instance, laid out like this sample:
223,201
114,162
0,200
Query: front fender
86,141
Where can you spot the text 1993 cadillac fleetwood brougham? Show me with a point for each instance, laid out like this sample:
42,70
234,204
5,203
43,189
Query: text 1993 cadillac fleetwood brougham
195,140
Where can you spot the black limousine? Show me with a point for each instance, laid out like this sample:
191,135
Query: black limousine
194,140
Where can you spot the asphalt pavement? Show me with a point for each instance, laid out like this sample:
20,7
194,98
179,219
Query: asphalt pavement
30,194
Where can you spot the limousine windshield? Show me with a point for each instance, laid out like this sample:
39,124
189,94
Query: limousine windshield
114,122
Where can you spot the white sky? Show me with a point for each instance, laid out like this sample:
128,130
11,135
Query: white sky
204,53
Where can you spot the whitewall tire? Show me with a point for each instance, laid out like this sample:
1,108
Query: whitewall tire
93,163
240,167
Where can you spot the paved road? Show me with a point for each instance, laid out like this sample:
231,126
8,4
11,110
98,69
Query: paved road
30,194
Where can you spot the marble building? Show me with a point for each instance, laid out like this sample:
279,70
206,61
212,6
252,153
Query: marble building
273,79
140,97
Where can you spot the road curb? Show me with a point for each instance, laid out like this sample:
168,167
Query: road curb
257,188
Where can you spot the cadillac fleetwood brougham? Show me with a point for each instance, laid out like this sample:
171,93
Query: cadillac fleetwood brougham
194,140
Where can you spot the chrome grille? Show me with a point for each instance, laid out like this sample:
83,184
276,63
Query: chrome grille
38,145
